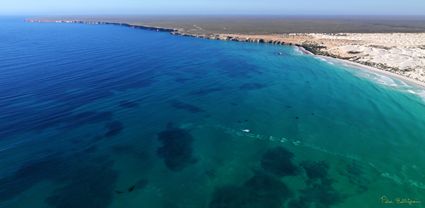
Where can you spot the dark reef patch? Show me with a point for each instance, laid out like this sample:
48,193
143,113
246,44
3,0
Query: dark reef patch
185,106
89,185
316,170
356,176
128,104
176,149
321,195
65,96
261,190
319,191
30,174
298,203
205,91
230,197
252,86
113,128
316,197
88,180
278,161
354,169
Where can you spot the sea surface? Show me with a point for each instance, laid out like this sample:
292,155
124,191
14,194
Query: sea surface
107,116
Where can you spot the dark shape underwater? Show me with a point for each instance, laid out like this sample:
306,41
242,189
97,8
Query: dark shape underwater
48,168
316,170
185,106
87,181
319,191
89,185
261,190
176,149
278,161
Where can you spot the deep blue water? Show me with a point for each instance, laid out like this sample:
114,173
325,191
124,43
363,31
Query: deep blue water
108,116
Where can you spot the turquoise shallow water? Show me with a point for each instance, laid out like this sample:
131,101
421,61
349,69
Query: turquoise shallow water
107,116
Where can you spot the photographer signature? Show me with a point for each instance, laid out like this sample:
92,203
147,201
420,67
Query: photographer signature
399,201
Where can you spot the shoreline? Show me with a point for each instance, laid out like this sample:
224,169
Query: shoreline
360,66
307,50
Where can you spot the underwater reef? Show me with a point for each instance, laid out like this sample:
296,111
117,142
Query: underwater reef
176,149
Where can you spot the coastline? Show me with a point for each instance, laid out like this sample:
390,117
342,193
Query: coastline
360,66
307,49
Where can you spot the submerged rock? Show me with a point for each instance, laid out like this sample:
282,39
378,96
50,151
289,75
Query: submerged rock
185,106
278,161
49,168
316,170
92,185
356,176
176,149
86,180
321,195
319,191
261,190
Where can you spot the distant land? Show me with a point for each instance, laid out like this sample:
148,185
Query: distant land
268,24
394,44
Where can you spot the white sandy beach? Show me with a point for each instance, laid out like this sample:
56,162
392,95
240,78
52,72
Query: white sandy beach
400,53
355,65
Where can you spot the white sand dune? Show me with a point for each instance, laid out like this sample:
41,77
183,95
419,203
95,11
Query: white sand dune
401,53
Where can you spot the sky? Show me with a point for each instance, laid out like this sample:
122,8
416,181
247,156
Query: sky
212,7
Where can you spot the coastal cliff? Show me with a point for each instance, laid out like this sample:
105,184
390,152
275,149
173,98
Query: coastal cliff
402,54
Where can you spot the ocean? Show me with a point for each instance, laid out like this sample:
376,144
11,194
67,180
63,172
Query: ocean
108,116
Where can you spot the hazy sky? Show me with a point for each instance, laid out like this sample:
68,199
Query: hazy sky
274,7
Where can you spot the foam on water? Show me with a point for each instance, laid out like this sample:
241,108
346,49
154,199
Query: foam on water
298,51
386,80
